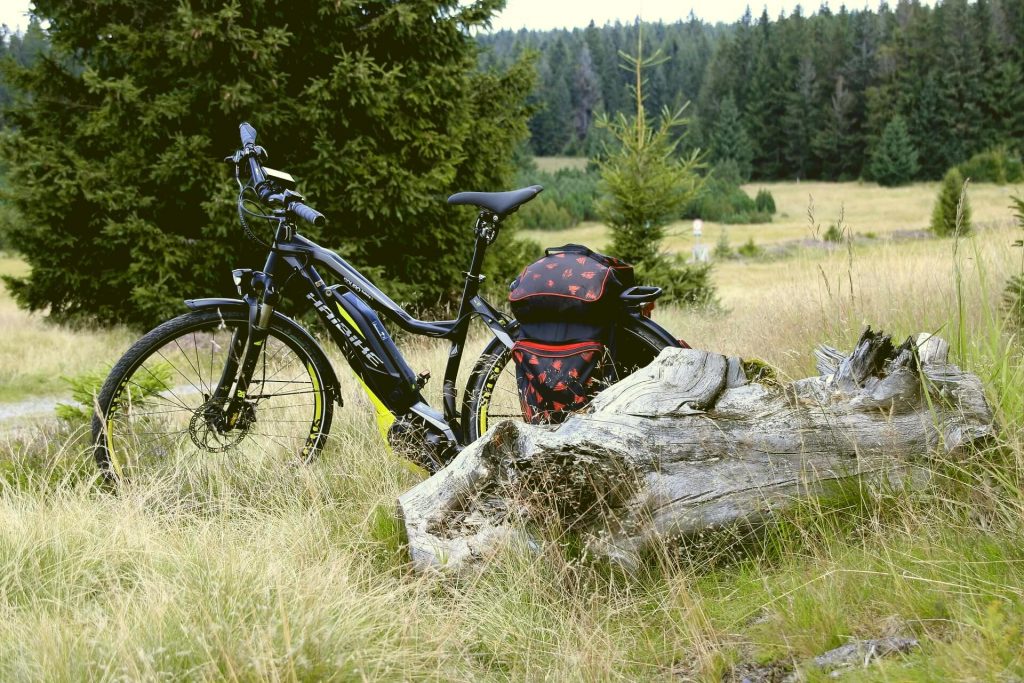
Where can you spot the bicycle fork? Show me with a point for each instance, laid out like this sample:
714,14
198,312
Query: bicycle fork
229,405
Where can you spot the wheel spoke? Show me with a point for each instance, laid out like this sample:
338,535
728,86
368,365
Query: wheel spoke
154,418
201,388
282,393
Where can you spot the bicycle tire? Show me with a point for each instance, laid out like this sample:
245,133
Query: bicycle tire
161,383
492,383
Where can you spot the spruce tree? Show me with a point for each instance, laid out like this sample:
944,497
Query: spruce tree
729,140
23,49
551,128
586,93
815,93
763,111
800,122
950,216
376,107
835,144
894,159
646,184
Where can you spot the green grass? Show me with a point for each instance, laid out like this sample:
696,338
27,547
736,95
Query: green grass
241,569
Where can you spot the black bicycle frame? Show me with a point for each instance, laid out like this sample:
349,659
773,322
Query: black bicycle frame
349,311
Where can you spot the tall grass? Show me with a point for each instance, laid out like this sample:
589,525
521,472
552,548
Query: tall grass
34,354
243,569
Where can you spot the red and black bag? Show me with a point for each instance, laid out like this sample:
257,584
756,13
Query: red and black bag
566,303
570,284
555,379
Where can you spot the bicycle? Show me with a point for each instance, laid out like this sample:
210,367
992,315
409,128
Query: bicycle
237,371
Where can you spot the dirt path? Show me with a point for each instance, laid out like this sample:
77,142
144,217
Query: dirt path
33,407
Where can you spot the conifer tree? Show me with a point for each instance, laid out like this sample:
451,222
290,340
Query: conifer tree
764,107
800,122
23,49
586,92
835,143
952,212
551,128
815,93
894,159
729,140
646,184
376,107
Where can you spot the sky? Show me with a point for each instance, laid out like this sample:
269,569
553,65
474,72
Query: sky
546,14
12,13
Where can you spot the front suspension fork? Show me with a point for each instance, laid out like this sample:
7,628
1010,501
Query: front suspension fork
229,397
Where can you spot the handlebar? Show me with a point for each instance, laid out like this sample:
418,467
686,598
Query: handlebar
248,134
306,213
265,189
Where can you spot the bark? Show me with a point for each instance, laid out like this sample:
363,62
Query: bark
690,443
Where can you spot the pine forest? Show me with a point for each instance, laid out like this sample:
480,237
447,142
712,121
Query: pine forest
830,94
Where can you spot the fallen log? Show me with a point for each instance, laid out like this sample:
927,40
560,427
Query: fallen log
690,443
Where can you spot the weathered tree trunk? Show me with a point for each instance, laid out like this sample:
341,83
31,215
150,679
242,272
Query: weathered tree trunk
689,443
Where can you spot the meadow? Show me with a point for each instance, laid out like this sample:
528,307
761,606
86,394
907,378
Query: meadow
805,210
240,569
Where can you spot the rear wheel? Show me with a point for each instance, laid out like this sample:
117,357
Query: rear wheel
492,394
155,409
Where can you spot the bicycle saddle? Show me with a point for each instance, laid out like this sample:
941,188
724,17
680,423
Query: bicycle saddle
501,203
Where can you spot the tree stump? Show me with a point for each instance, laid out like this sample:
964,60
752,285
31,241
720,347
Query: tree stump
691,443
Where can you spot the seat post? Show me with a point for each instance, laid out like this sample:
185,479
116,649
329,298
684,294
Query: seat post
486,231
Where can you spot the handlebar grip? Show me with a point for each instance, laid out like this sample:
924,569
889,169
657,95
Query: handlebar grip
248,134
306,213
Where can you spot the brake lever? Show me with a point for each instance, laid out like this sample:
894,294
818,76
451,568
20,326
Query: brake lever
242,154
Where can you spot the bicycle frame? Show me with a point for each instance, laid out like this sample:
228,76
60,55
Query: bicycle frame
348,310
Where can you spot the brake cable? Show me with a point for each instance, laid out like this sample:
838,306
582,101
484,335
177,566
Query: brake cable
247,229
243,211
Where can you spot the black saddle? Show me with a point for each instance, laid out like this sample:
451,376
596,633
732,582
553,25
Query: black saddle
501,203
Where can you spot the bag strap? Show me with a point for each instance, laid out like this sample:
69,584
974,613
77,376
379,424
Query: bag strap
603,259
569,248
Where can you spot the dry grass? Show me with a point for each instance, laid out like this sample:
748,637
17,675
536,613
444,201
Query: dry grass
778,310
230,569
552,164
34,354
867,208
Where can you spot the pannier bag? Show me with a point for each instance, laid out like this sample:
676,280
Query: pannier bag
566,303
555,379
570,284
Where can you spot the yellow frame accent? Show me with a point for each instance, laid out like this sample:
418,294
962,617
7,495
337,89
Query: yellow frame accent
384,416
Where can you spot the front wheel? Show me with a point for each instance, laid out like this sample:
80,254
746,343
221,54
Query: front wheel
156,407
492,394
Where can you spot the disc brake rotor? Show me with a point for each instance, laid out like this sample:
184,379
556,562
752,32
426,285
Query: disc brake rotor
206,428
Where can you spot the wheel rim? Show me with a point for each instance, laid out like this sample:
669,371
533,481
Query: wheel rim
499,399
161,412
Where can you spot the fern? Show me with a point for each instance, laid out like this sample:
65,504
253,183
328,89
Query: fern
86,386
